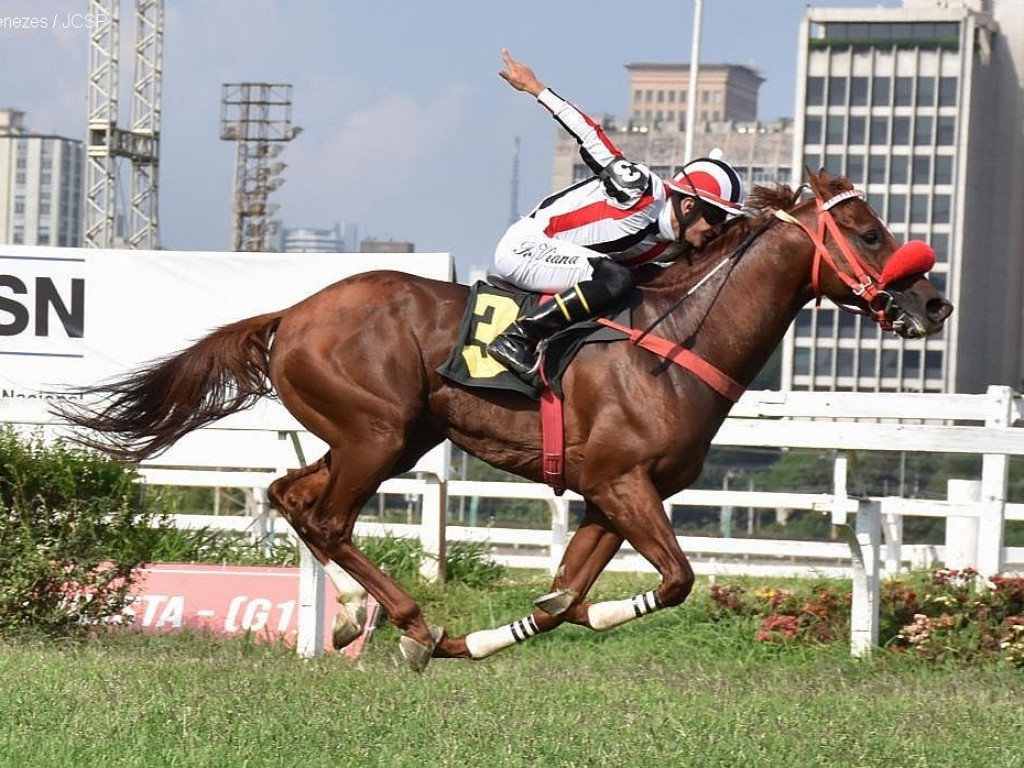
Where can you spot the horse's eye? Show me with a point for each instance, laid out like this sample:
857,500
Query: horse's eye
871,237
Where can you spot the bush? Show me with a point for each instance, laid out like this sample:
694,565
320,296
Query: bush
941,616
74,526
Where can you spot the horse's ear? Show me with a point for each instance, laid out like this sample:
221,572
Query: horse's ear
819,183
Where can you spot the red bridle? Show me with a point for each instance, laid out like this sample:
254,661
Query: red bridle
912,258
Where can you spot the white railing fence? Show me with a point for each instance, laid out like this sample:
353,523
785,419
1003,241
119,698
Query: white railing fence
249,450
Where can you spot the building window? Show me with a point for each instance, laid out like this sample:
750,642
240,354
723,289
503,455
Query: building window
944,169
947,91
858,91
901,131
671,97
925,91
904,91
923,131
823,362
847,325
648,95
898,173
941,209
897,208
812,130
933,365
879,130
880,90
867,363
637,95
837,91
918,209
844,362
858,130
855,168
834,126
876,171
802,361
922,170
815,91
940,242
945,134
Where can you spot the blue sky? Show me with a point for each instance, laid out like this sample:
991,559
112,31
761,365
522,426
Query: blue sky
407,129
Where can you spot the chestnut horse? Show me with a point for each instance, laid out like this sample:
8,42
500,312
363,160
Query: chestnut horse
356,364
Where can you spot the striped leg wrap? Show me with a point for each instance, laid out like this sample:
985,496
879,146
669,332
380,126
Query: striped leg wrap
615,612
485,642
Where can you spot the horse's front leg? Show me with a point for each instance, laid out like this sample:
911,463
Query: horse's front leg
634,508
589,550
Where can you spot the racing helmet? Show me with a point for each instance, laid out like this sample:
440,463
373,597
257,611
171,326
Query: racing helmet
712,180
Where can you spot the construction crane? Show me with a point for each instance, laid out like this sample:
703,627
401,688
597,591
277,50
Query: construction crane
108,144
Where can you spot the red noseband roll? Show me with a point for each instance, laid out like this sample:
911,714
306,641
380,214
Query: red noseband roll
914,257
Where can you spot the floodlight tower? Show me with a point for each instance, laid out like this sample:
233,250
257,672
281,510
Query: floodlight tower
107,143
258,118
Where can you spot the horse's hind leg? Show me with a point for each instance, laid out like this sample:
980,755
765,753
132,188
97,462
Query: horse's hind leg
353,479
296,495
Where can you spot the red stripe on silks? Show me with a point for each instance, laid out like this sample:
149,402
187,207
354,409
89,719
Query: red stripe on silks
612,149
648,255
715,378
591,213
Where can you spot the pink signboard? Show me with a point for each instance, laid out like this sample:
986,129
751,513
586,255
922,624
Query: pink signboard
262,601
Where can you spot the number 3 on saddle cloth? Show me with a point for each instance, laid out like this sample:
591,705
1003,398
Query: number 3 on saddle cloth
491,310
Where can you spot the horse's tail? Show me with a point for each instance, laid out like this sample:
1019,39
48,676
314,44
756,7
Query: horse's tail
146,411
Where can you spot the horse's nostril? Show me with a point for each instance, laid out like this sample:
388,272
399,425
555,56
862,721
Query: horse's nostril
939,309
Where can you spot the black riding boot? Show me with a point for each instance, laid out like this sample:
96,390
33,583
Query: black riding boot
516,347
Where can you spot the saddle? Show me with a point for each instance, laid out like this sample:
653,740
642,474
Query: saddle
490,310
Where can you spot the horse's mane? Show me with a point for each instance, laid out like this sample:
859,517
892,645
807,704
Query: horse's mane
761,201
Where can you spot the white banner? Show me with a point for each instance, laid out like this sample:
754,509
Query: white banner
71,317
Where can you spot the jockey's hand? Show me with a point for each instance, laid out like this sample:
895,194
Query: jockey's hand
520,76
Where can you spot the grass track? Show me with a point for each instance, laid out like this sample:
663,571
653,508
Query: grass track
672,686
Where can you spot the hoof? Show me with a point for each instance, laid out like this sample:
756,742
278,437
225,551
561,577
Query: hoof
555,603
348,624
417,654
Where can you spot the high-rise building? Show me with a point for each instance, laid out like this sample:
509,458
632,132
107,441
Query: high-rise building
661,94
921,107
339,239
40,185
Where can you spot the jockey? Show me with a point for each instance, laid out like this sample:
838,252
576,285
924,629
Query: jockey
581,242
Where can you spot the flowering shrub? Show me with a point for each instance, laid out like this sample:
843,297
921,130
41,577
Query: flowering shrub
949,614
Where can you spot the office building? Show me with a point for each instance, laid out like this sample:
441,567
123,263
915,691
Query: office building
920,106
40,185
339,239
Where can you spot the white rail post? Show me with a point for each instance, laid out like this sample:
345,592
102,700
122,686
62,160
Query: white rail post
559,530
961,541
864,544
310,639
432,528
994,476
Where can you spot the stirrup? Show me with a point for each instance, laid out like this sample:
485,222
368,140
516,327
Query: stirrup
511,364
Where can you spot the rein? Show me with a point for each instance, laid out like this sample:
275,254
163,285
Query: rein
731,259
673,352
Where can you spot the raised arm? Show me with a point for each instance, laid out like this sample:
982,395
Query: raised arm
625,182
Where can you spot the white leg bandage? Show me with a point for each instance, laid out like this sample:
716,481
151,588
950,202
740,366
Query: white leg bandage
615,612
485,642
349,590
